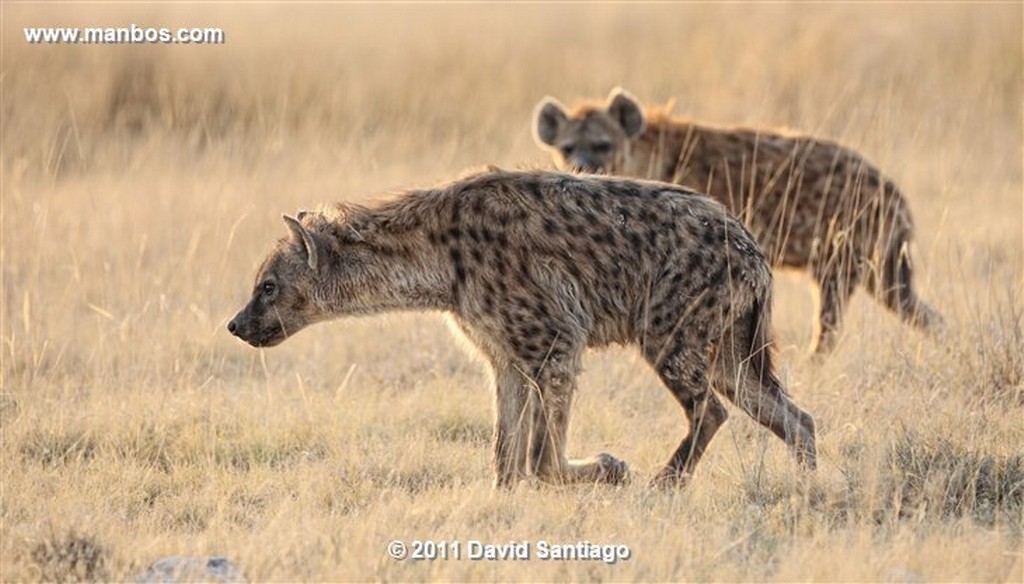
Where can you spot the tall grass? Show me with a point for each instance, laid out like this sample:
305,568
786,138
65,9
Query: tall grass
141,184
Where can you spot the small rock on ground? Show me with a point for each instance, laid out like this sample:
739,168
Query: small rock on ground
175,569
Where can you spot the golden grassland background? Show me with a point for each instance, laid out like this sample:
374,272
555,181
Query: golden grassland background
141,185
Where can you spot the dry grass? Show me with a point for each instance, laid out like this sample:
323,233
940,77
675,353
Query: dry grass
140,185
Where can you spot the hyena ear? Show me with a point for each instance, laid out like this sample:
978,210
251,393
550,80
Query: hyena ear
353,235
625,109
548,117
309,242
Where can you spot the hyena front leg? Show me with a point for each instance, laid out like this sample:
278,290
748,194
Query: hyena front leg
683,369
512,420
555,388
551,423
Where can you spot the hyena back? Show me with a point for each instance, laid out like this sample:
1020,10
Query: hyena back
811,204
534,267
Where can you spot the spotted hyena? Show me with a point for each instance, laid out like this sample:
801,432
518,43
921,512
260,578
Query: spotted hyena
534,267
812,204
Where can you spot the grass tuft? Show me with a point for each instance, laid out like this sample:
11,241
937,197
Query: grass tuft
69,557
57,448
935,477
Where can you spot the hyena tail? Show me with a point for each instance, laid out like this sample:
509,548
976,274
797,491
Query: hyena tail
893,285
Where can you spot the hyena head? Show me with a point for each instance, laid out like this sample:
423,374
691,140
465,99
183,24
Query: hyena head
593,137
284,295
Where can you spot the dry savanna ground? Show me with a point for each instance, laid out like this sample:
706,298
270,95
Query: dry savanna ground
141,185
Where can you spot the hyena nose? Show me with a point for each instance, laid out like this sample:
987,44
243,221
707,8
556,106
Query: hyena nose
232,327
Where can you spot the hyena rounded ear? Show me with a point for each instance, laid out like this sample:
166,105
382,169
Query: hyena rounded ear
548,118
625,109
353,234
307,240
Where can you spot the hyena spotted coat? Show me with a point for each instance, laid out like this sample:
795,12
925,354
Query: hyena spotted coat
811,204
534,267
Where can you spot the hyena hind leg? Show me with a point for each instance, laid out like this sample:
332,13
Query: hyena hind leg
757,391
684,371
893,286
836,282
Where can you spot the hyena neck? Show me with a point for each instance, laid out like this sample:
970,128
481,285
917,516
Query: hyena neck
660,149
400,270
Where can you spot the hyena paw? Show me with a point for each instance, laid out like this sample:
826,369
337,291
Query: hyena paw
611,470
670,478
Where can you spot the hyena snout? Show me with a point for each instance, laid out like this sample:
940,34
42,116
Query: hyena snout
235,328
253,332
237,325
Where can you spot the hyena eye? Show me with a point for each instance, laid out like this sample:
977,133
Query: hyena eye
567,149
267,288
602,147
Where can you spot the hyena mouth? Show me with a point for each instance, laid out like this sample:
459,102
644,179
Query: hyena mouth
266,338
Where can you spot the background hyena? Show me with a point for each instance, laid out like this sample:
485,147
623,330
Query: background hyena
535,267
811,204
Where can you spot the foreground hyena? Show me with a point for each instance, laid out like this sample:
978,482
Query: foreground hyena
811,204
535,267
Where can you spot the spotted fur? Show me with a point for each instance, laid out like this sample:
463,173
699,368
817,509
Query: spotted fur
812,204
534,267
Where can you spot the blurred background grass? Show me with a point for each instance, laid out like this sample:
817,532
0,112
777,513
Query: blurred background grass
141,184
